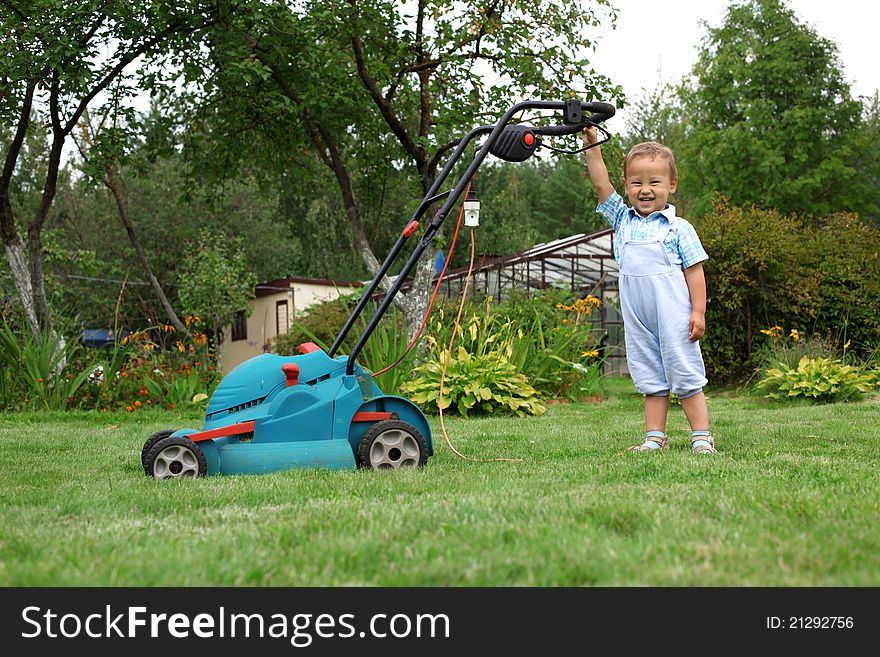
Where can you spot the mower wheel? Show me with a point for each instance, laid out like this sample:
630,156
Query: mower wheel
392,444
152,440
176,457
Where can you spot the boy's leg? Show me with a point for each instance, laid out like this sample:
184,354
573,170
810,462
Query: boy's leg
656,410
697,412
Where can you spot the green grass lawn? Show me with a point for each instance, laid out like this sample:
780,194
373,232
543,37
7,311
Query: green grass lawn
792,500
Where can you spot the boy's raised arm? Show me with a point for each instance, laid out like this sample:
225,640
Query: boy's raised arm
596,166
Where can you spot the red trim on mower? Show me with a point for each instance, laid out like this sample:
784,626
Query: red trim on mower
368,416
410,228
308,347
231,430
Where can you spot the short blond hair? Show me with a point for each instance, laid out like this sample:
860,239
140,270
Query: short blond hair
653,150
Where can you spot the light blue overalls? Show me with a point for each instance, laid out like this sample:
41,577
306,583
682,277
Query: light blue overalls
656,309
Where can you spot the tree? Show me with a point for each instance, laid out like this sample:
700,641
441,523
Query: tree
102,148
216,283
63,55
866,161
769,115
366,84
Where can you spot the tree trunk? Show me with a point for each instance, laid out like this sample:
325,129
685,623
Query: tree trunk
38,279
113,185
22,277
11,240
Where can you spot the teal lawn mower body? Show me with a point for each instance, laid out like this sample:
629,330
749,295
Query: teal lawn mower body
319,410
276,413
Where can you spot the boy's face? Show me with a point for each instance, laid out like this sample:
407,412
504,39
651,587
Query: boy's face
649,184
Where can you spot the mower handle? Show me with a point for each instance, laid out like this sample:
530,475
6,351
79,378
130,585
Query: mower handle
574,121
601,112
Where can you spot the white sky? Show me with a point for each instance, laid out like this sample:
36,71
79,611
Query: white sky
658,40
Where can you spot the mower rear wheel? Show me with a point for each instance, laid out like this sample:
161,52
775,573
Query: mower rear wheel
392,444
152,440
177,457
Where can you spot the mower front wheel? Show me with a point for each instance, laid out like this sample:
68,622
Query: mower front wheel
172,458
152,440
392,444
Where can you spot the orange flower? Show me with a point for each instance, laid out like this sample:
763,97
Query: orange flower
137,404
129,409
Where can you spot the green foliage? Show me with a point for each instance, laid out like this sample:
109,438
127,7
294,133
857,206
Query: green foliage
818,379
537,201
216,283
766,269
324,321
769,117
757,275
847,261
39,371
320,324
548,337
138,374
181,388
473,384
786,350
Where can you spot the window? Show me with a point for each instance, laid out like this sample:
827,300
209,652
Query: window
281,324
239,326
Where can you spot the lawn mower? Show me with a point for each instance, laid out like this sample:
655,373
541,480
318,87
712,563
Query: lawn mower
320,410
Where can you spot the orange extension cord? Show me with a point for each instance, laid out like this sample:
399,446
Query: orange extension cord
454,331
449,356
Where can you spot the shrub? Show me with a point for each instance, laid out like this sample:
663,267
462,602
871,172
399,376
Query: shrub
482,383
767,267
550,338
388,342
786,348
320,324
818,379
755,272
41,371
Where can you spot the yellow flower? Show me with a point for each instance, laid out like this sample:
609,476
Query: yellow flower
180,346
590,354
794,335
773,331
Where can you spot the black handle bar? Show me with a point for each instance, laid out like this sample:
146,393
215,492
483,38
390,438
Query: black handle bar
599,112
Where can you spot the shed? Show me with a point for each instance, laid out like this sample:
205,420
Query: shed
274,308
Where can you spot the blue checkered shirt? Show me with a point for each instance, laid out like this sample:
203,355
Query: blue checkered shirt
682,244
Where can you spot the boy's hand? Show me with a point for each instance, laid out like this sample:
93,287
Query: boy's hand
697,326
590,136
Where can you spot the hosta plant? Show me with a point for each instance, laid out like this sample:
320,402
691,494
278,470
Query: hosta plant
486,383
818,379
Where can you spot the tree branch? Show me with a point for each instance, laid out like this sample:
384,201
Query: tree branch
18,140
116,70
414,150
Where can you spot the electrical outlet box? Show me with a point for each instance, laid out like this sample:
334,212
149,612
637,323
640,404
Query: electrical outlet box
472,213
